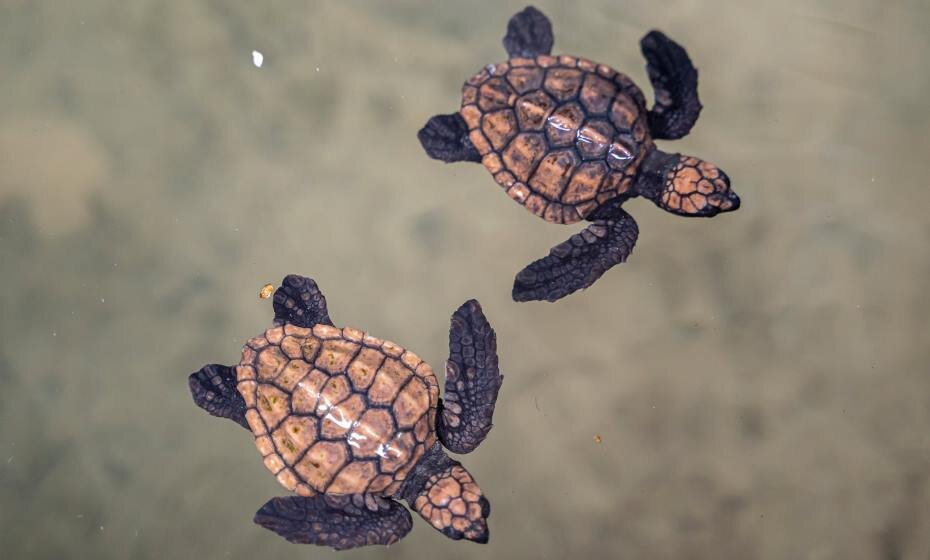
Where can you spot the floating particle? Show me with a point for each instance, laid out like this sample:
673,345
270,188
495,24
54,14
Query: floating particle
257,59
266,291
597,438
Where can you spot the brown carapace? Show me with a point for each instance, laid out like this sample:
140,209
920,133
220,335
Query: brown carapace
335,410
561,135
571,139
350,423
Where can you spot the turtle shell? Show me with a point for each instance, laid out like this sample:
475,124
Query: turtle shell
337,411
561,134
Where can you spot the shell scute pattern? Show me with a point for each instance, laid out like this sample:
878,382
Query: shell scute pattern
560,134
527,78
533,110
337,411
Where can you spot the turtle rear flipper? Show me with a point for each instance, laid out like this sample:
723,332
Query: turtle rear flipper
341,522
529,33
674,79
214,390
300,302
472,380
580,260
445,137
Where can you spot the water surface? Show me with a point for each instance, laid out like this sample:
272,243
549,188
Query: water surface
758,381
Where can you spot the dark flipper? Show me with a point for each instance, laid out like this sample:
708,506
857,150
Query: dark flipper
338,521
529,33
472,380
580,260
300,302
674,80
445,137
214,390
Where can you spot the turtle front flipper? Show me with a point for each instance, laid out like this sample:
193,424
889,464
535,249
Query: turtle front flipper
529,34
341,522
472,380
445,137
214,390
580,260
300,302
674,79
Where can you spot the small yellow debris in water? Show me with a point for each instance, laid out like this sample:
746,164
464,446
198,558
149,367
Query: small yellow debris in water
266,291
597,438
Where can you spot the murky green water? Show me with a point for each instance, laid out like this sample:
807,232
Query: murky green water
759,381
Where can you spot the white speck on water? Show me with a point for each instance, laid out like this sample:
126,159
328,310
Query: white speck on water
102,300
54,333
258,59
80,516
10,460
101,528
317,68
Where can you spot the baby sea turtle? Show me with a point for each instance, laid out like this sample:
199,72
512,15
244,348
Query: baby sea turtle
572,140
352,423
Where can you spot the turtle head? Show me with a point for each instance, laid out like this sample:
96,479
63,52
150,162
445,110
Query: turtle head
686,185
447,497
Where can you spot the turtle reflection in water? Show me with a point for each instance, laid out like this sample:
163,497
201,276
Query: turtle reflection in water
351,423
572,140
